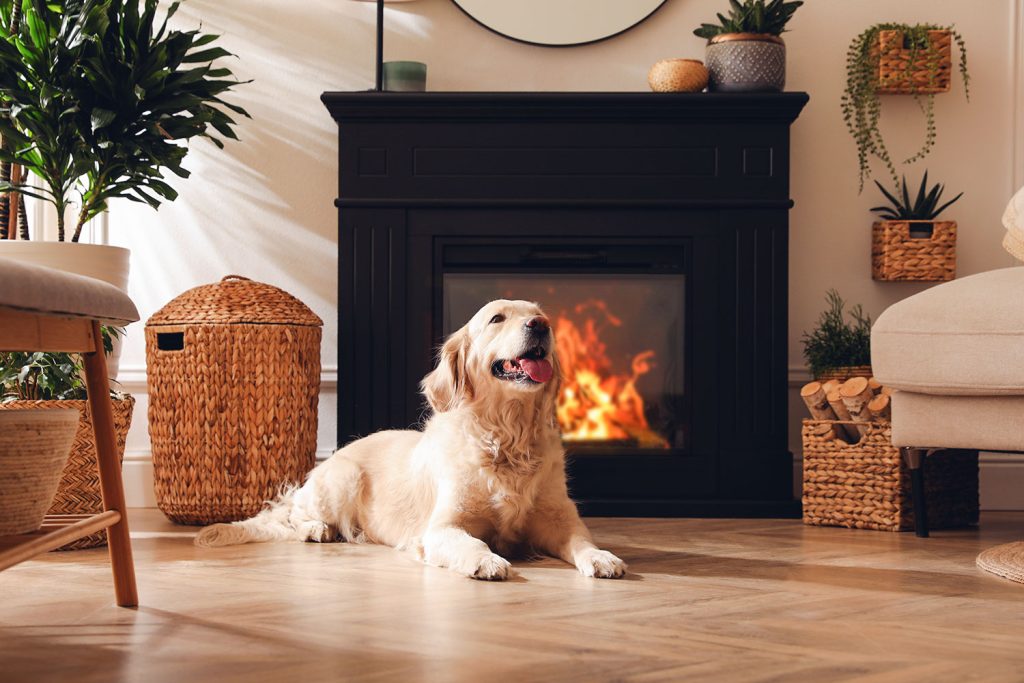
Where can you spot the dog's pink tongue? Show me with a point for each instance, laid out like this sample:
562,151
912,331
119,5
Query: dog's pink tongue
538,370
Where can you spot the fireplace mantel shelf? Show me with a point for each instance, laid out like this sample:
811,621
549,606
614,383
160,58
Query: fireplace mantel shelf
646,106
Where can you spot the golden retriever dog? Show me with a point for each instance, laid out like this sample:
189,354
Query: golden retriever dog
485,477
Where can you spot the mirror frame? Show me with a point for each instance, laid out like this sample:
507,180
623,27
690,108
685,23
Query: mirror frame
586,42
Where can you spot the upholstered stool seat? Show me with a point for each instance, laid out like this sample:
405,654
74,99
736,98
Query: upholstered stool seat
29,287
955,356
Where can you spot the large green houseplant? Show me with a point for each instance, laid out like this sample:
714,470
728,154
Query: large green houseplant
97,97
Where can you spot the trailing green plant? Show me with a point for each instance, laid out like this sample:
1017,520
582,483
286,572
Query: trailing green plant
752,16
46,376
836,342
862,106
98,99
925,206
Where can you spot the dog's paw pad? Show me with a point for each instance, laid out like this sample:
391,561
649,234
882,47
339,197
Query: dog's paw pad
492,568
318,532
600,564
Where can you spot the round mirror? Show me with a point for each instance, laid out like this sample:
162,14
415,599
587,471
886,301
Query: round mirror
559,22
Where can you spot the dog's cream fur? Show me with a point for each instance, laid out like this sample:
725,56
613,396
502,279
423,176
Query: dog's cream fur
485,478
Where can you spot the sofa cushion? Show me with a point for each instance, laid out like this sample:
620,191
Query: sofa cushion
991,423
964,337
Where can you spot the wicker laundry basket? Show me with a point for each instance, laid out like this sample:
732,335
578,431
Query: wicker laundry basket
866,485
234,381
79,490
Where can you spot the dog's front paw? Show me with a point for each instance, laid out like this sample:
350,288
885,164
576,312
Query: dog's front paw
600,564
490,567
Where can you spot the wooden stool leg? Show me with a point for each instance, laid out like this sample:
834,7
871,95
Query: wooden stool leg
914,458
101,409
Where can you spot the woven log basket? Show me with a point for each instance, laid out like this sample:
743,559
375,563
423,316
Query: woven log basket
79,490
896,255
867,485
234,374
930,72
844,373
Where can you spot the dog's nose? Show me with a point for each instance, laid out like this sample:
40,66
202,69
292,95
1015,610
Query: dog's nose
538,325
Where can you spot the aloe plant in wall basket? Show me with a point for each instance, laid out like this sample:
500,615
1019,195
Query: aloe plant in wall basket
897,59
909,243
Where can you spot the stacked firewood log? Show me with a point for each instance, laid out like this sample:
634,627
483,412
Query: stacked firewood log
851,404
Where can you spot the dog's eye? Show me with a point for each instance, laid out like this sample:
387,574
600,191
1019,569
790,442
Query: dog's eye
498,319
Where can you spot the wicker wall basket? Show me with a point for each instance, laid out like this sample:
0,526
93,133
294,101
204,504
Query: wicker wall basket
234,381
897,255
930,72
34,446
79,489
867,485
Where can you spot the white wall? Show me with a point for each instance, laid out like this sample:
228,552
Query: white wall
263,207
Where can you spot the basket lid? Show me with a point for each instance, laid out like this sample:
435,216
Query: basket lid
235,300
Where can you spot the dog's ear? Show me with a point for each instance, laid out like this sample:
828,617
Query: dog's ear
449,384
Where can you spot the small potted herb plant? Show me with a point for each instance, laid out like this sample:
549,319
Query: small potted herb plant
838,348
909,244
897,59
30,381
745,51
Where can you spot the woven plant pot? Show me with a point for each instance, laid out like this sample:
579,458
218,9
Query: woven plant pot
79,490
930,72
897,255
866,485
845,373
34,446
234,381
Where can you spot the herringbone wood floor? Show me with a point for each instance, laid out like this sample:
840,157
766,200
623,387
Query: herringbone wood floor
719,600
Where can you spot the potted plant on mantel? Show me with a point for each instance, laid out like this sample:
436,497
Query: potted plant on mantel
909,244
897,59
745,51
836,348
97,98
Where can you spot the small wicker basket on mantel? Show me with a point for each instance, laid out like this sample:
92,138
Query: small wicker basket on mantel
234,381
866,485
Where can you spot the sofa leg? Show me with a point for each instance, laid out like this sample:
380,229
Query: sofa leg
914,457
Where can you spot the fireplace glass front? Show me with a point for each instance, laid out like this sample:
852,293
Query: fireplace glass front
621,347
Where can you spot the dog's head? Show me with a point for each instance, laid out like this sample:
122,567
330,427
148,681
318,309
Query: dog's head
507,350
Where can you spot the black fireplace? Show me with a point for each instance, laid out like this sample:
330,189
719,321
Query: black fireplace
653,230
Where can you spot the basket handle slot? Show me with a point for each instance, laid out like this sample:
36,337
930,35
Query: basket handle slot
920,230
170,341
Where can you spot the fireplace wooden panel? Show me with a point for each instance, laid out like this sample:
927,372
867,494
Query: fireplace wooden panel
575,180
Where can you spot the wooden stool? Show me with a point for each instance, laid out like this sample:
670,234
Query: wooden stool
42,309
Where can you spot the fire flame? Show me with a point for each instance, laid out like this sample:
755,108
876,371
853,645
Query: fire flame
596,403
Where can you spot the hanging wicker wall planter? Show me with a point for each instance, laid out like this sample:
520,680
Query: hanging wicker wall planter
913,251
79,490
234,381
905,71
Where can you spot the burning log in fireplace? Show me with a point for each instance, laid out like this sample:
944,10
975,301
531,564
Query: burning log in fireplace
599,402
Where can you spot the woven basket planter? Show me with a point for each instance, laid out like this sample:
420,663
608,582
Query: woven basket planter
79,489
34,446
931,69
845,373
234,381
866,485
897,255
